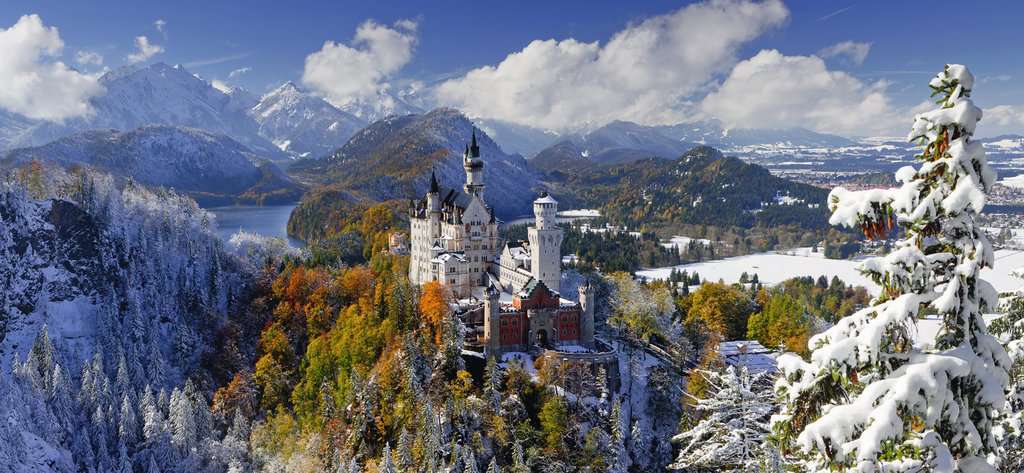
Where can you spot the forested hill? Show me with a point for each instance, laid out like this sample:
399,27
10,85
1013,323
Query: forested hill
391,161
110,298
700,187
393,158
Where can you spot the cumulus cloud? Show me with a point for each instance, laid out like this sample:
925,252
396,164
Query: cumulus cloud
771,90
1002,119
144,50
32,82
160,24
851,51
222,86
88,58
347,72
238,72
644,73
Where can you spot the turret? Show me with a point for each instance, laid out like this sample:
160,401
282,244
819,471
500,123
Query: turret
546,243
433,195
545,211
586,300
434,207
492,322
474,167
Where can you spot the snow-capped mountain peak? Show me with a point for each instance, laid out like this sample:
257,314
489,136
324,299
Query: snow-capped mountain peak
302,124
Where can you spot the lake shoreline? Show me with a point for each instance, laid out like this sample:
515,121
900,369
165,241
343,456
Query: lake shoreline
266,220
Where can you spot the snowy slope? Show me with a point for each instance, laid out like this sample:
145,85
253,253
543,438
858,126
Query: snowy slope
186,159
116,293
771,268
302,124
382,105
775,267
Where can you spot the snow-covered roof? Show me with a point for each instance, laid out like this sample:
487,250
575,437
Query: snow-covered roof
748,353
545,199
445,257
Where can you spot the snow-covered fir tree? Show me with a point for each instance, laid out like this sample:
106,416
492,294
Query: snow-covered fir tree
872,398
1010,329
387,465
734,423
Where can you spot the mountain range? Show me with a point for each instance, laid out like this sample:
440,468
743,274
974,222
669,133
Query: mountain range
285,123
212,168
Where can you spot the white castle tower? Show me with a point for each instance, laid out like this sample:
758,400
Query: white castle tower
546,243
474,167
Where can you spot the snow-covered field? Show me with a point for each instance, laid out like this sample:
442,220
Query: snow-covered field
777,266
682,242
580,213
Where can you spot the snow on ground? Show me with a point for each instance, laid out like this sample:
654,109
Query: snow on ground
580,213
1016,182
777,266
524,359
771,268
1001,277
682,242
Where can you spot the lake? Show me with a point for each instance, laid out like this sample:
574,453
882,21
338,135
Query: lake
269,220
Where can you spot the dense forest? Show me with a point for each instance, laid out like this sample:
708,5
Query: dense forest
700,187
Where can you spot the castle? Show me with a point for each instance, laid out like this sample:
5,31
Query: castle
454,240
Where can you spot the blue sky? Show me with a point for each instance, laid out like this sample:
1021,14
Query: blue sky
909,41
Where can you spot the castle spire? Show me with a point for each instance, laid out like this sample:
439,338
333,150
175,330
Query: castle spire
434,188
473,148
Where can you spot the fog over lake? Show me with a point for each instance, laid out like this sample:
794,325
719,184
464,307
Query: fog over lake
271,220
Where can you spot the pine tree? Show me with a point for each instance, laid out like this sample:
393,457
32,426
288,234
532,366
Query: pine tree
386,464
619,455
1010,329
637,440
470,461
41,359
128,426
870,398
405,461
493,467
518,459
731,434
492,383
153,420
182,420
431,437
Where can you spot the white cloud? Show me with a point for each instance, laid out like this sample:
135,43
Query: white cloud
239,72
32,82
771,90
218,60
1002,119
344,73
995,78
88,58
221,86
160,24
851,51
644,73
144,50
